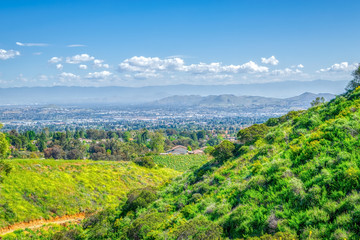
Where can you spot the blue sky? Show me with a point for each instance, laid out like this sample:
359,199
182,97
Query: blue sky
139,43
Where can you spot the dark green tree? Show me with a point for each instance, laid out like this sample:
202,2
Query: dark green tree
5,169
251,134
353,84
317,101
4,144
139,198
223,151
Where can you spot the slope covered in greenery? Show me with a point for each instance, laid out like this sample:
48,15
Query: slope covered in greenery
36,189
294,177
180,163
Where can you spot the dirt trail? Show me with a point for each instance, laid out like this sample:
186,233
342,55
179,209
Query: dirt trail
41,222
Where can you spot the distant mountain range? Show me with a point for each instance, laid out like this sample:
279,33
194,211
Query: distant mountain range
133,95
229,100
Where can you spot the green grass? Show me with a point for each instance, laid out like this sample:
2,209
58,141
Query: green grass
37,189
181,162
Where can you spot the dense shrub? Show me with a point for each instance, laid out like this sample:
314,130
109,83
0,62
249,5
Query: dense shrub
251,134
139,198
143,226
146,161
198,228
223,151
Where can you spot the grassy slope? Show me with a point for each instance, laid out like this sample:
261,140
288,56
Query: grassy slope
46,188
302,178
181,162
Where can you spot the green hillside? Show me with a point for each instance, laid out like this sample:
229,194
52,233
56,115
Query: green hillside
295,177
37,189
180,163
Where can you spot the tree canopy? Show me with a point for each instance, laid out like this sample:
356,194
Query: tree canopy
353,84
4,144
253,133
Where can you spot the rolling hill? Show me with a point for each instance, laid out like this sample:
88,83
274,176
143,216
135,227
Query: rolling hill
301,101
45,189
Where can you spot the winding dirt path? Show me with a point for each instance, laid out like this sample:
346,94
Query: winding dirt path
41,222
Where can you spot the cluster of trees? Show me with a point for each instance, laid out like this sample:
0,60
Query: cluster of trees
100,144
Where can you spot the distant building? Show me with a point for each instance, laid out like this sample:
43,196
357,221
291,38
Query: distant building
85,140
198,152
178,150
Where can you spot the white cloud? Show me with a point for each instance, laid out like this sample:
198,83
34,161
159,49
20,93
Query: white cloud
83,66
204,68
146,64
285,72
271,60
300,66
79,58
340,67
68,77
99,64
55,60
249,67
99,75
6,54
32,44
252,67
59,66
76,45
153,65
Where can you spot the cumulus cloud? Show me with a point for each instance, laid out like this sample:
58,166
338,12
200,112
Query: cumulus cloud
68,77
80,58
300,66
249,67
55,60
340,67
59,66
271,60
76,45
99,75
154,64
285,72
32,44
83,66
148,64
6,54
99,64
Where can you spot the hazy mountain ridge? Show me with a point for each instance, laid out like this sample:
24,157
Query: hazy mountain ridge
129,95
302,100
